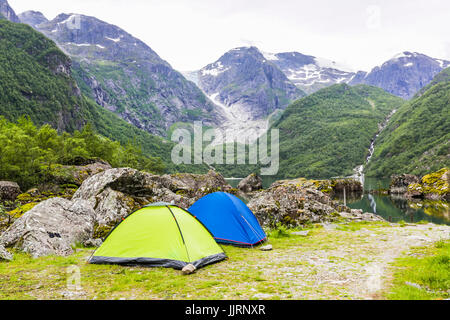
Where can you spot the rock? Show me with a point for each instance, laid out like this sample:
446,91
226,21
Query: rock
414,285
77,174
433,186
93,243
9,191
252,183
115,193
195,185
52,227
351,186
400,183
262,296
301,233
359,215
329,226
189,269
266,248
4,254
292,205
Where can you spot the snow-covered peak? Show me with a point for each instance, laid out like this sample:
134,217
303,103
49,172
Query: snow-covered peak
270,56
326,63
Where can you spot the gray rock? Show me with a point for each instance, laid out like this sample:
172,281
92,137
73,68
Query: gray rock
291,205
301,233
52,227
4,254
400,183
189,269
266,248
252,183
115,193
93,243
414,285
9,191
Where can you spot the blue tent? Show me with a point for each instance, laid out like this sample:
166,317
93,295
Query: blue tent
228,219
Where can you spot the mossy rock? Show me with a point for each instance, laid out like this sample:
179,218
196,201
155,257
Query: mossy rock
21,210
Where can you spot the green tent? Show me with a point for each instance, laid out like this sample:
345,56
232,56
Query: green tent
161,235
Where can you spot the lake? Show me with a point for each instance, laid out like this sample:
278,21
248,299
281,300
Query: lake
394,208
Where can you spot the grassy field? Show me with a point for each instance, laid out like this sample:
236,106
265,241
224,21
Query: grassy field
341,261
423,274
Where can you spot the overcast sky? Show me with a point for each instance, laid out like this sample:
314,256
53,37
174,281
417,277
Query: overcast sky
190,34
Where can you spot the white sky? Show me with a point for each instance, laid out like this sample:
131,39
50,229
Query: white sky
190,34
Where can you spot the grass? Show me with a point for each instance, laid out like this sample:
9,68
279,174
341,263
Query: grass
299,267
423,275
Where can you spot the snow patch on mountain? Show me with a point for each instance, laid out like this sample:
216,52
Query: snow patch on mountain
238,124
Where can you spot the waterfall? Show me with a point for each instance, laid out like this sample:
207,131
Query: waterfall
359,170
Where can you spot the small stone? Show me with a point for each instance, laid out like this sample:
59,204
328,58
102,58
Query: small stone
267,248
189,269
414,285
262,296
301,233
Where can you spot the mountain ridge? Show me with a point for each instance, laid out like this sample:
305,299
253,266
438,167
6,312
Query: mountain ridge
124,75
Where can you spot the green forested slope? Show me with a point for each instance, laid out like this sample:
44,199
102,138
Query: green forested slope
417,140
329,133
36,81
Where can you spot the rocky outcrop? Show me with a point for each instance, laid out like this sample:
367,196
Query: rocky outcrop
76,174
7,12
296,202
116,193
350,186
9,191
32,18
4,254
53,227
252,183
434,186
400,183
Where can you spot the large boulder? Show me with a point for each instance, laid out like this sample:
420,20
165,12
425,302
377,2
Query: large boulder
250,184
195,186
434,186
9,191
53,227
296,202
291,205
350,186
400,183
76,174
115,193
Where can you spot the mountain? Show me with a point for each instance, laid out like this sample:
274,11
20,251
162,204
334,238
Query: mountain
310,73
32,18
404,75
443,76
124,75
329,132
249,89
36,81
245,82
7,12
417,139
